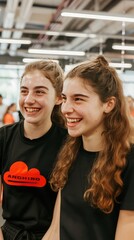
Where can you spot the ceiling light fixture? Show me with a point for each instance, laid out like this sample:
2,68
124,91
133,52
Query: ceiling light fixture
117,46
52,33
120,65
77,34
27,60
71,34
67,33
97,15
56,52
15,41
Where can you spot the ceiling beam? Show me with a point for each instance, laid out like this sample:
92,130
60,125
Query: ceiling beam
68,34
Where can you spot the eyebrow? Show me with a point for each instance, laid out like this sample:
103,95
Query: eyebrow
37,87
77,95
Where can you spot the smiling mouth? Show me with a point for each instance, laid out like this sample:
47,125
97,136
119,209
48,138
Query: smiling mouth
32,110
73,120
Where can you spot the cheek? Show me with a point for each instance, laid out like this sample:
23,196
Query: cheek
98,115
92,111
47,103
53,99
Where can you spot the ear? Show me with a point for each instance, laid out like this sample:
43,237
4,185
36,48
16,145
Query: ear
58,100
110,104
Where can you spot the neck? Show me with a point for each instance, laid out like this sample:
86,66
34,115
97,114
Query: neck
93,143
33,131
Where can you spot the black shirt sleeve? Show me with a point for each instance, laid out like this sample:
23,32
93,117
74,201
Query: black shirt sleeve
127,196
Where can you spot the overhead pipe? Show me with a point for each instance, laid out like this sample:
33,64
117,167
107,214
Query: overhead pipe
98,26
8,22
54,17
75,4
22,19
57,17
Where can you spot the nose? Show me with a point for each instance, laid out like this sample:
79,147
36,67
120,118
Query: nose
67,107
30,99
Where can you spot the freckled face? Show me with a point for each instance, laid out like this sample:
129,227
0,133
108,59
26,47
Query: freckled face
82,108
37,98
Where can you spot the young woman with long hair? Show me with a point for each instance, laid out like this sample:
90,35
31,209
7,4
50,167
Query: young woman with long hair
95,168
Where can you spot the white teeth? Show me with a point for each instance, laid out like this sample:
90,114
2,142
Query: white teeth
72,120
32,109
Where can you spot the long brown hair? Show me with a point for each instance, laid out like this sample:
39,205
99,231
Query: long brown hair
105,182
51,70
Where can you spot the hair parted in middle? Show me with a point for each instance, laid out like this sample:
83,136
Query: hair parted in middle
52,71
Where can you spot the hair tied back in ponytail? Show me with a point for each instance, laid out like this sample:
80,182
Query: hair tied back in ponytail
102,61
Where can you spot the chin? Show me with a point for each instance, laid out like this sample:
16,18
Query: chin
74,134
30,120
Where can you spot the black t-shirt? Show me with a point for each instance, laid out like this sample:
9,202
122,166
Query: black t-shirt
25,166
78,219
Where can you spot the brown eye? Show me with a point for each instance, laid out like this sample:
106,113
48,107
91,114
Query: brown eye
40,92
78,99
24,92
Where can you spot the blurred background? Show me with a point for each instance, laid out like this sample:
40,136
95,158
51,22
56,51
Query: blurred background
68,31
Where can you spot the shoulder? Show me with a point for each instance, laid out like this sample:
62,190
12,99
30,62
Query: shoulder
127,195
130,156
10,128
129,169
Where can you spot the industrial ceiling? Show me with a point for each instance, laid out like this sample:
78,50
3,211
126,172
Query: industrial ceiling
40,21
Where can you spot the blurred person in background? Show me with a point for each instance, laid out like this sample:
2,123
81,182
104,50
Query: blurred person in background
11,114
130,101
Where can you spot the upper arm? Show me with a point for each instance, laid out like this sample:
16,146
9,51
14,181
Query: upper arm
125,226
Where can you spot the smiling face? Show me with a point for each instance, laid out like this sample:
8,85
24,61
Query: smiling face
82,109
37,98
